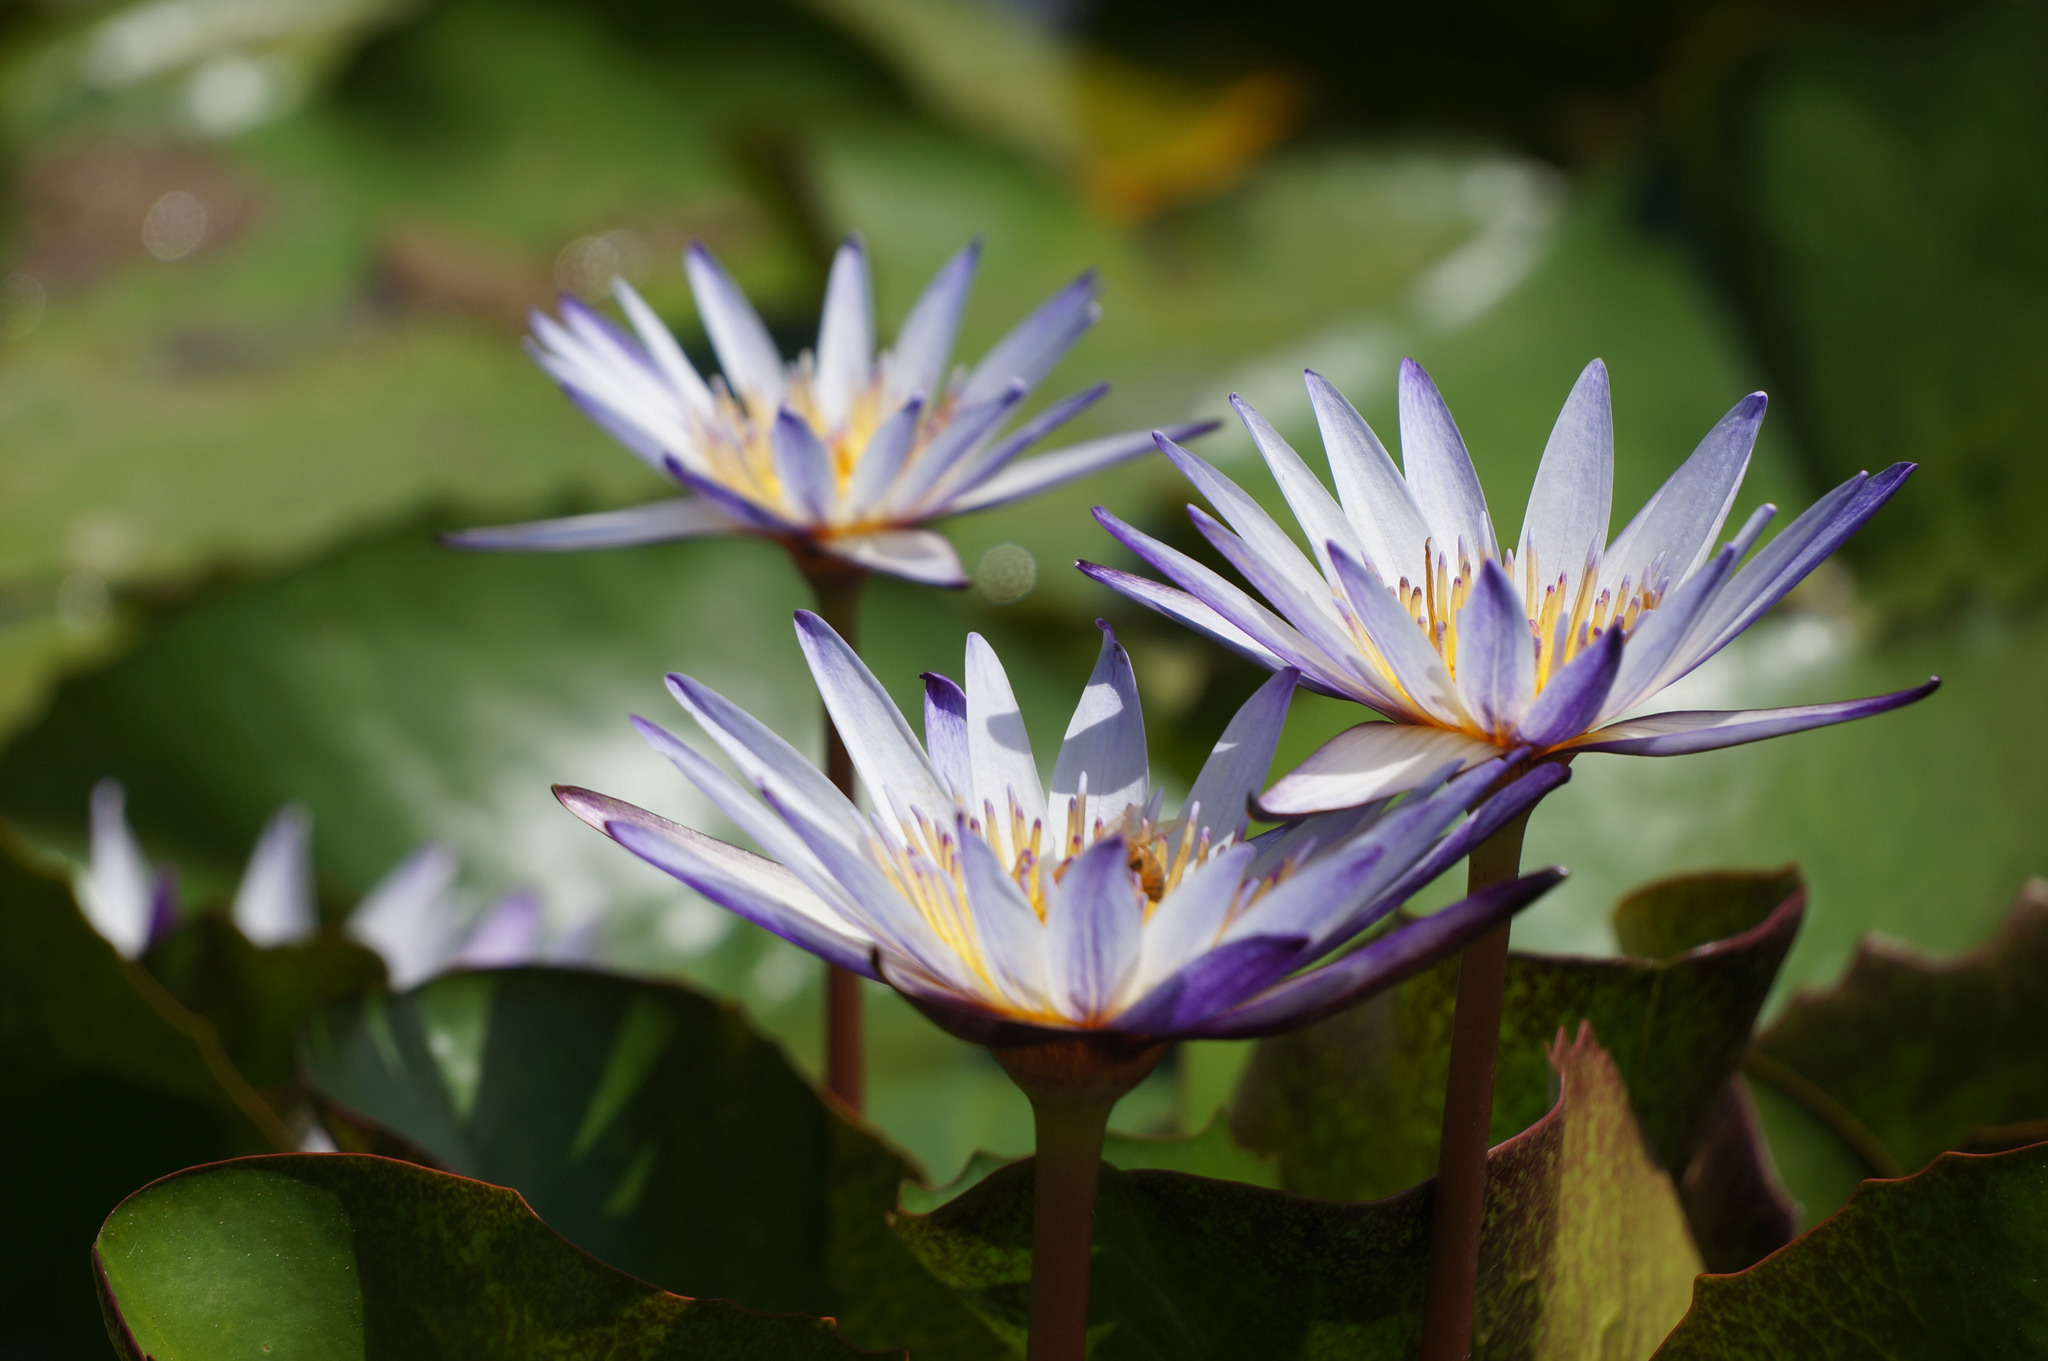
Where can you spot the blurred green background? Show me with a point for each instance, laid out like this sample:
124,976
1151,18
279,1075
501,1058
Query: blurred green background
265,273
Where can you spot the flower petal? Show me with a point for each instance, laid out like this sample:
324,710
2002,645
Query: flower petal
846,335
1440,471
1179,605
1565,526
662,349
1314,509
274,902
1013,940
116,891
1684,732
1037,343
972,471
920,555
929,467
1379,965
1496,656
1676,527
1188,921
761,755
1489,817
894,767
1237,765
945,733
746,352
1093,926
876,470
655,522
1367,762
1425,690
508,936
761,519
775,835
405,918
1034,475
803,467
1269,543
1572,701
1212,983
999,751
1104,746
1377,501
917,363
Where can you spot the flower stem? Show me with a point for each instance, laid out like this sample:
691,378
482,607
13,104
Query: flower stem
1451,1289
835,589
1073,1086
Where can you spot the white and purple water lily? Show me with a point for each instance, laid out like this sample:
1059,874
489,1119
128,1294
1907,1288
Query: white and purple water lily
1412,608
846,452
1014,914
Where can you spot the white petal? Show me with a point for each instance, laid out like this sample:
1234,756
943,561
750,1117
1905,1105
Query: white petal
846,335
1418,669
1566,524
762,756
118,891
999,750
1188,920
1390,526
1012,938
1237,765
1094,931
1105,741
1679,523
406,917
894,767
1371,761
875,472
917,363
685,517
746,352
1319,515
274,902
920,555
1496,655
1439,470
508,936
662,348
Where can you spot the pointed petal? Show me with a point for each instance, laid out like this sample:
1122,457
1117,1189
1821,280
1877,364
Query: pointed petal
1496,658
1212,983
1679,523
761,755
1490,816
1093,925
803,466
1367,762
930,466
1375,967
775,835
1412,665
662,349
920,555
508,936
1681,733
917,364
999,750
1440,472
1034,475
1261,534
1566,523
1012,938
1038,342
1661,635
894,767
1179,605
274,902
117,890
875,472
1188,921
1237,765
1572,702
1377,501
746,352
405,918
757,517
1105,742
846,335
945,733
969,473
655,522
1321,519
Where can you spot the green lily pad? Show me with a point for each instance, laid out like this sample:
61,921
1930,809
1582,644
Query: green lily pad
1584,1250
105,1083
1353,1106
1945,1263
652,1127
1911,1055
256,997
342,1256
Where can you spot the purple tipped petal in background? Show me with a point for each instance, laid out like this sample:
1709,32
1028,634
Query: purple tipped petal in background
917,362
921,555
115,892
803,466
846,335
1034,475
508,936
746,352
274,902
655,522
1036,343
1682,733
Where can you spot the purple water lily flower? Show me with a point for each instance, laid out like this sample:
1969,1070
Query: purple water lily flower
1411,607
1016,915
845,452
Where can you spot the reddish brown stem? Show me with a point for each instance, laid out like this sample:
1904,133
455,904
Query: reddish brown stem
835,589
1451,1287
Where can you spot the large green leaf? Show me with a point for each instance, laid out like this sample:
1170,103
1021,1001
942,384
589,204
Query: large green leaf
105,1083
1944,1264
257,997
652,1127
343,1256
1584,1250
1354,1104
1909,1055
